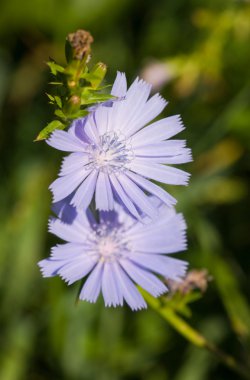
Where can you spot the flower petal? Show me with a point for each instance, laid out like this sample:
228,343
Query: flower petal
159,172
119,88
77,269
66,212
65,141
136,98
137,195
104,195
152,108
50,268
67,232
163,148
92,287
91,130
165,266
84,193
130,293
160,237
160,130
144,278
64,186
151,188
102,119
123,196
110,289
73,162
67,251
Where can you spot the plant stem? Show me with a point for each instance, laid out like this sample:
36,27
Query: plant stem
195,336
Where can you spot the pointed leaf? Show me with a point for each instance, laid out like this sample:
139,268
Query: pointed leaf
52,126
55,68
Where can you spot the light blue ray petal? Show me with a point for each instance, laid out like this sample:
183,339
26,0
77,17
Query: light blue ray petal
66,212
49,268
158,172
119,88
77,130
64,186
110,289
91,289
151,109
67,251
65,231
77,269
91,130
160,130
73,162
137,195
123,196
104,195
162,148
136,98
152,188
167,221
144,278
184,156
84,193
166,266
160,240
66,142
102,119
130,293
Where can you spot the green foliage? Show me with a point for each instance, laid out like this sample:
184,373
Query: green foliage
179,302
203,48
76,87
52,126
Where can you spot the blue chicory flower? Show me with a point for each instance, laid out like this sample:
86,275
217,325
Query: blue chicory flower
114,157
117,252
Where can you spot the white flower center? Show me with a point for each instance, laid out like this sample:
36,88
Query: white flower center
111,154
107,247
107,244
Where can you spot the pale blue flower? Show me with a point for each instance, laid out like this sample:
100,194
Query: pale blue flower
113,156
117,253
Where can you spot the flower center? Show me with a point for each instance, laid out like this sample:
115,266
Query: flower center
107,244
107,247
111,154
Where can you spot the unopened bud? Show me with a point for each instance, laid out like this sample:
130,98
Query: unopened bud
71,83
75,100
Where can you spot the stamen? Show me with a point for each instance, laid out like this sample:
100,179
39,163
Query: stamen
106,243
111,154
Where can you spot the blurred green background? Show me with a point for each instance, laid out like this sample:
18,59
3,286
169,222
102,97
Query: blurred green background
197,53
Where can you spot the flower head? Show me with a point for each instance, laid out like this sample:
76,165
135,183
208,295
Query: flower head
113,156
116,253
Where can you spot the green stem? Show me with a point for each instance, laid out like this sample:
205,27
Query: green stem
195,337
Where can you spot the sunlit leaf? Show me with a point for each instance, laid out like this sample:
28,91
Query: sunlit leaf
52,126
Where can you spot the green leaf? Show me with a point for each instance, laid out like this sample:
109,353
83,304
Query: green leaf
55,68
50,97
60,114
56,83
52,126
79,113
96,75
55,100
58,101
90,98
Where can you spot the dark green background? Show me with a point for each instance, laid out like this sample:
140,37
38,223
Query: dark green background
203,50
